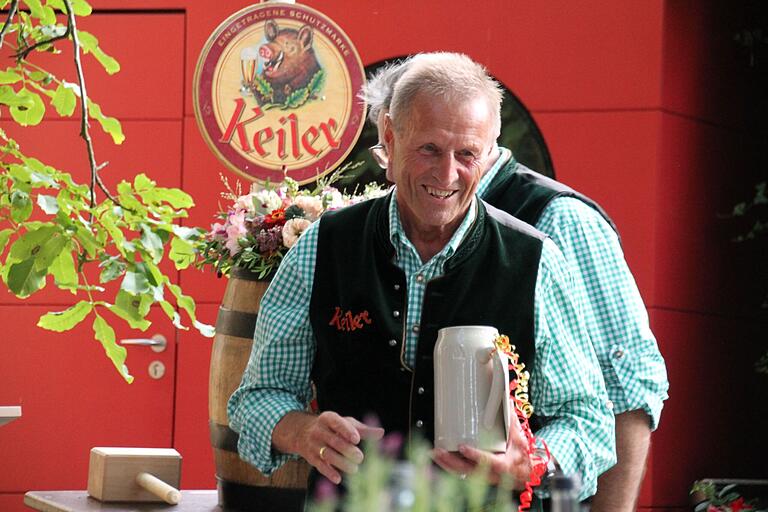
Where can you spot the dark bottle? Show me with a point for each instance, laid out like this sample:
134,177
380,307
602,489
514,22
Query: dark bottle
564,492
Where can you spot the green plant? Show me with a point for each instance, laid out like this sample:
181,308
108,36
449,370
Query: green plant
384,484
755,212
712,497
74,235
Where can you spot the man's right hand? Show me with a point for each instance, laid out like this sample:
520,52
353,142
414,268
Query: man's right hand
335,436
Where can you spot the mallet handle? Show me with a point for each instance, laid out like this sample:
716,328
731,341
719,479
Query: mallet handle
162,490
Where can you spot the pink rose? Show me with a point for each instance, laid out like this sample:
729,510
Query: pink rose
293,230
235,230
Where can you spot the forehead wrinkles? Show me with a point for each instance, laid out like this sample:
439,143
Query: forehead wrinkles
463,124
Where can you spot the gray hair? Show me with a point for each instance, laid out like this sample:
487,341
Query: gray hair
377,92
453,76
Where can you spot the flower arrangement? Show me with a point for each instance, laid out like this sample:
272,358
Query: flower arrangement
256,229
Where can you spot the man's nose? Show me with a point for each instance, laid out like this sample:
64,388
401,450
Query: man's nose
445,169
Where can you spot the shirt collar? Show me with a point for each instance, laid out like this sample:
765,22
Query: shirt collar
488,177
401,242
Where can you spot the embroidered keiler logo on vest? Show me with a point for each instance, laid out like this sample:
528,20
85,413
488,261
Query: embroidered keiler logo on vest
346,321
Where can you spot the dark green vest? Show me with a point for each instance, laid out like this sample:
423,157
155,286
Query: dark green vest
525,194
358,309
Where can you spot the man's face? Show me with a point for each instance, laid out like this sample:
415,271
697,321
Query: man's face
436,160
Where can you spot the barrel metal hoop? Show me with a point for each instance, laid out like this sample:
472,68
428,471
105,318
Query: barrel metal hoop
223,437
245,275
236,323
247,498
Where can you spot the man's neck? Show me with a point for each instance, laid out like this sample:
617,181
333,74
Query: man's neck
430,240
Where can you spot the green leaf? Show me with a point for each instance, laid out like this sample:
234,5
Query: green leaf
127,307
28,244
108,124
206,330
135,283
80,7
64,273
48,204
110,64
9,97
173,196
90,44
103,332
61,321
31,112
9,77
152,243
182,253
23,279
88,241
142,183
21,206
44,13
186,233
50,251
112,269
185,302
4,236
64,100
171,313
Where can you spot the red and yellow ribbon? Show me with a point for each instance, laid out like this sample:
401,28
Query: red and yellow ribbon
518,394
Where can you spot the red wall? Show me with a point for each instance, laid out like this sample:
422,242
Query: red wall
636,103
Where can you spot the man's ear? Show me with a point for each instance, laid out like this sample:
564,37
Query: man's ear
389,134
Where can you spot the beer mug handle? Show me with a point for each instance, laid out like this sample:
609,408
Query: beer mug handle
498,391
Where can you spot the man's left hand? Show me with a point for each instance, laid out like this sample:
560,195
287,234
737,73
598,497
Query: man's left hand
513,467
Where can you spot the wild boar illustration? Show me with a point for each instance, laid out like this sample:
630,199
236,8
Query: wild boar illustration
291,73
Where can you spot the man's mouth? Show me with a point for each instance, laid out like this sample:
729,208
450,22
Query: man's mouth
439,194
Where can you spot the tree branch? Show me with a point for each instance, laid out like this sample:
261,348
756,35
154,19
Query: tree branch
11,14
84,133
23,54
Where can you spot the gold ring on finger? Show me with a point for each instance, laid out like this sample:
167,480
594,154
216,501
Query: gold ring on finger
322,452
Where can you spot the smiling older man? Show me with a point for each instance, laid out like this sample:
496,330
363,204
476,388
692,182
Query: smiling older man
427,256
632,366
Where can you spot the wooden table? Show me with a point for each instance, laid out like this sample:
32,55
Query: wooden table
78,501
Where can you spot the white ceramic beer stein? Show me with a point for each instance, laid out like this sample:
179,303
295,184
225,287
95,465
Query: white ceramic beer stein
471,386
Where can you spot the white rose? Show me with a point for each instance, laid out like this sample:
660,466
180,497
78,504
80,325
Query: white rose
266,201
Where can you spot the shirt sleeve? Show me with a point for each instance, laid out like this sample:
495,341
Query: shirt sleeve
633,368
277,378
567,389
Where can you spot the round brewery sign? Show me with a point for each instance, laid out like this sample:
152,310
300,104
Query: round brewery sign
275,93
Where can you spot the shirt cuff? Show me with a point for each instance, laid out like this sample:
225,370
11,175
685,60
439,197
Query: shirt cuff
575,457
254,417
636,382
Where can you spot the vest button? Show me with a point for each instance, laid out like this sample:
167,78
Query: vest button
396,314
420,390
397,287
392,343
419,423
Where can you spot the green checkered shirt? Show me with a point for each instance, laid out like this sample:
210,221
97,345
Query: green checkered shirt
632,366
567,390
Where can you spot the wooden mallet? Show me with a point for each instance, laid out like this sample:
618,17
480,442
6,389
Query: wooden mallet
135,474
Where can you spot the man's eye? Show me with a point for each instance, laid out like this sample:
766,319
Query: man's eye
466,156
429,149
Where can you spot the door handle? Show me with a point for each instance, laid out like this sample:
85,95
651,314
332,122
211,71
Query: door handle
157,343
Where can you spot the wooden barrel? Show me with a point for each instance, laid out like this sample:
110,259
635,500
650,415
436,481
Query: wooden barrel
241,487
